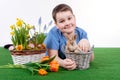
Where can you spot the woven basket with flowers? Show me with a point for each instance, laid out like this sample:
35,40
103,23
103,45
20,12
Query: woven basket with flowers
27,47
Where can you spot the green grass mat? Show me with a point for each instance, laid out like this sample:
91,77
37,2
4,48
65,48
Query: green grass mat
105,67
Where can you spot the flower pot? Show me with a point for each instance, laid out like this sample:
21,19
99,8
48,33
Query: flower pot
25,56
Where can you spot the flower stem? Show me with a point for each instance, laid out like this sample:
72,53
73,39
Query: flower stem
13,66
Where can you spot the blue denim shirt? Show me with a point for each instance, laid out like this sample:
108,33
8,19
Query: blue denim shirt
55,40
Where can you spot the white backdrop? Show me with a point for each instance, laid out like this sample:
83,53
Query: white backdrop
100,18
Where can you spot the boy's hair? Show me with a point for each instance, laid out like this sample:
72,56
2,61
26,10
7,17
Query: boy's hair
60,8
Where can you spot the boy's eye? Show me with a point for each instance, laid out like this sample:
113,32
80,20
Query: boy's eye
61,21
69,18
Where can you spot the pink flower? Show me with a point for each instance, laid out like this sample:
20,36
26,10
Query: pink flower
31,45
11,47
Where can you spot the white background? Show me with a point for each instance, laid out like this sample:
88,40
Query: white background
100,18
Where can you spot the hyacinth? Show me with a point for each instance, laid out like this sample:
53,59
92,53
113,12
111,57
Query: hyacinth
39,36
45,65
46,26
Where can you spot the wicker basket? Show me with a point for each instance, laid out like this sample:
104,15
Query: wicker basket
25,56
82,59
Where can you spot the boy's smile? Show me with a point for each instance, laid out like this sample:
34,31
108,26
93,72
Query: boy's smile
65,22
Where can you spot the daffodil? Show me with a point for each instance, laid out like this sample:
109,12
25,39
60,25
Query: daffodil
12,27
12,33
19,22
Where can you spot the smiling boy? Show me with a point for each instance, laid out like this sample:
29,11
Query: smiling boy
65,24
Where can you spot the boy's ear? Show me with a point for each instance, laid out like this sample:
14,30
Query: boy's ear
55,24
74,16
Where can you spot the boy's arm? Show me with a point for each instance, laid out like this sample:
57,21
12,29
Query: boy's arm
52,53
65,63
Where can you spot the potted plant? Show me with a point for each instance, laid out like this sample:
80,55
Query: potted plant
27,47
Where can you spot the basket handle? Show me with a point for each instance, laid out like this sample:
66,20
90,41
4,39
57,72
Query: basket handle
92,48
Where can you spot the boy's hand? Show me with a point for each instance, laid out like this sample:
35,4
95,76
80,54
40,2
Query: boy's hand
84,45
69,64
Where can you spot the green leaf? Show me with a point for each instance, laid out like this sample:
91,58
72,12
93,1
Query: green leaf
33,64
31,69
47,61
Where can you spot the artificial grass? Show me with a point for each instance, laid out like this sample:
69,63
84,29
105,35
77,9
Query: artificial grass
105,67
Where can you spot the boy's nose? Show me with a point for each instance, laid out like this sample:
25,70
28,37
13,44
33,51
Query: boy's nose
67,23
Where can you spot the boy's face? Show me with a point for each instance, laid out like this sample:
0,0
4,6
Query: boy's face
65,22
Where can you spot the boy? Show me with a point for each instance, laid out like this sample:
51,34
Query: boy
65,25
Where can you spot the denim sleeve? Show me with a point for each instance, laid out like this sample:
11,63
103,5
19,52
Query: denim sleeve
52,41
82,33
